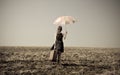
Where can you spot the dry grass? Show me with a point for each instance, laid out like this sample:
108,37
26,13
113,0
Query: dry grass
75,61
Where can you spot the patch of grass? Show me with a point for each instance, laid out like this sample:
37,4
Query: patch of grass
74,61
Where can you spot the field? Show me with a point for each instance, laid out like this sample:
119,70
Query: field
74,61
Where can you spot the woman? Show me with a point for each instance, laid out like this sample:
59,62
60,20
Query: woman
59,45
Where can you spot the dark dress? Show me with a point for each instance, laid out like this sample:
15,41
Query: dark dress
59,45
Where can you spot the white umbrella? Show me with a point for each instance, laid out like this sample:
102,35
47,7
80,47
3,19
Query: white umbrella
64,20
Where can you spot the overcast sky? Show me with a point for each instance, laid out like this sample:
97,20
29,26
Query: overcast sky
30,22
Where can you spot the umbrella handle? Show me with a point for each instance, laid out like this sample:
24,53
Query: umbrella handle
65,28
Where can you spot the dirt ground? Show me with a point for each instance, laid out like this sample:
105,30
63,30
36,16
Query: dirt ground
74,61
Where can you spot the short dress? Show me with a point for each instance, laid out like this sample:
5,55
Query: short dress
59,45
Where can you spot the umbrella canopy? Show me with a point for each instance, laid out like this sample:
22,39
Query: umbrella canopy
64,20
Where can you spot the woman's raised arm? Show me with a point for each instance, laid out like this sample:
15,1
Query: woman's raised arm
64,35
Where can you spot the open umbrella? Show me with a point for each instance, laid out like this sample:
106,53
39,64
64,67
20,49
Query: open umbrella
64,20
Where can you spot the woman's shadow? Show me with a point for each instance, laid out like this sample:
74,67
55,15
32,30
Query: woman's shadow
72,64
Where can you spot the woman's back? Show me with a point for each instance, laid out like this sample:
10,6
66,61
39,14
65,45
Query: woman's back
59,37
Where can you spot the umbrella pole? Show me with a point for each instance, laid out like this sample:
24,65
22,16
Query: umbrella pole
65,28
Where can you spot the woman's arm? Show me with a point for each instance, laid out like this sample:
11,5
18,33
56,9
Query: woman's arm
55,37
64,35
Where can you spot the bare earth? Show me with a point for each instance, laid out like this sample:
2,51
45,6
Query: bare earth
75,61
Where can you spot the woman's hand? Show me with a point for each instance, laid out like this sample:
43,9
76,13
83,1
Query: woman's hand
66,32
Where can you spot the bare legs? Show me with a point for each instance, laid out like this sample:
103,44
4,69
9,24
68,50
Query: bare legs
59,57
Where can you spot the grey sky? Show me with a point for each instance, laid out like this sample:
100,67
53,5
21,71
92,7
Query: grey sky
30,22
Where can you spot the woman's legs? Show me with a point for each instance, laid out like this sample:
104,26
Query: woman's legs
59,56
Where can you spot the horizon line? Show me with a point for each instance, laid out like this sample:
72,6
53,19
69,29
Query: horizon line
65,46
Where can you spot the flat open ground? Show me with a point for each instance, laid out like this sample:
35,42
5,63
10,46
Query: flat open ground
75,61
